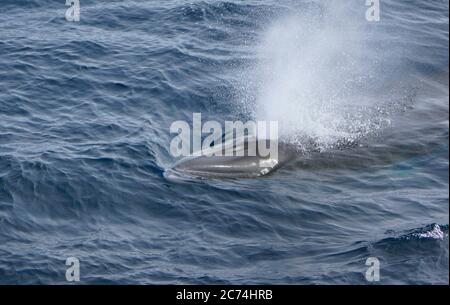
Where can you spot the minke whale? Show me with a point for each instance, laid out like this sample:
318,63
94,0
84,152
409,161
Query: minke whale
243,163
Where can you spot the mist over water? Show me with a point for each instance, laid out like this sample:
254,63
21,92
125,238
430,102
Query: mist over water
321,77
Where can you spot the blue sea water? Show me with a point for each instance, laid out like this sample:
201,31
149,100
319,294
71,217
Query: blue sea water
85,111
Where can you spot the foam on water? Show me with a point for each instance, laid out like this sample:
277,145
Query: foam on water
435,233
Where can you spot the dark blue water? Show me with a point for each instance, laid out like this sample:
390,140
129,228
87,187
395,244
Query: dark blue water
85,110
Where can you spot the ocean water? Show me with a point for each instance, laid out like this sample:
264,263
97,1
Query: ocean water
85,111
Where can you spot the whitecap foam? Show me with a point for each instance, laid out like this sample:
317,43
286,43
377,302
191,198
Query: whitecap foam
434,233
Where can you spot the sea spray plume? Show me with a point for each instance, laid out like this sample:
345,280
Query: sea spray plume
315,78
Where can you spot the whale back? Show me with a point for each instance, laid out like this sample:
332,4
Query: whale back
213,162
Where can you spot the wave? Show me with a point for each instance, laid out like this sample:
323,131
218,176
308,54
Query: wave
431,231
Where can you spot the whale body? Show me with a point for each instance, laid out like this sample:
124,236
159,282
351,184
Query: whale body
245,165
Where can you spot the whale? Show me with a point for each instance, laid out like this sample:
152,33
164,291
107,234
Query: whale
213,163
